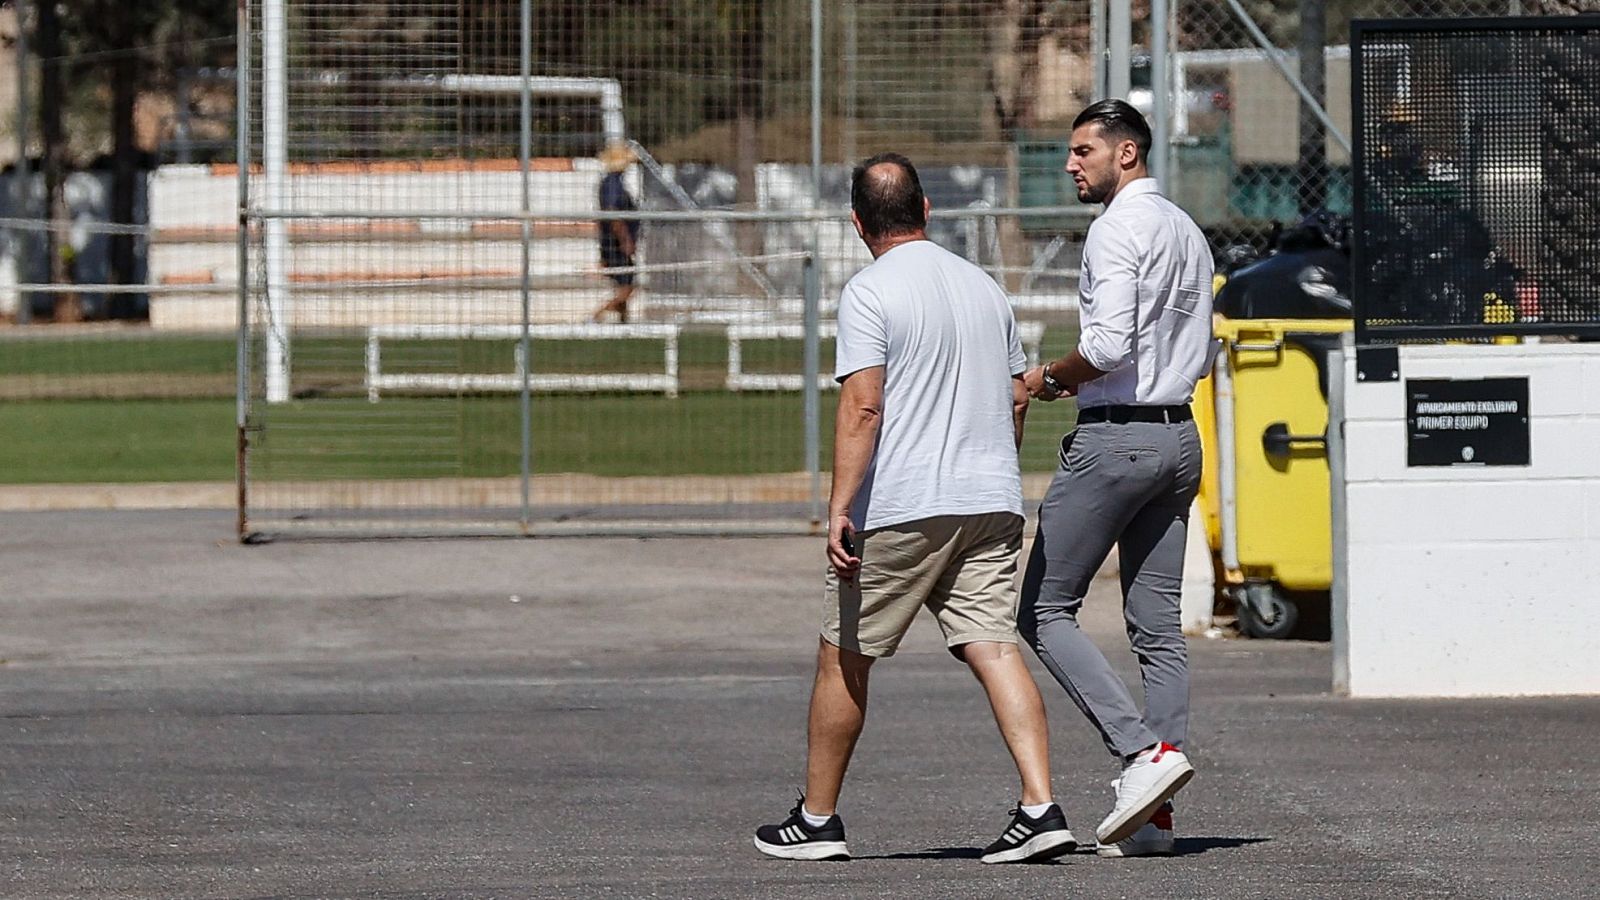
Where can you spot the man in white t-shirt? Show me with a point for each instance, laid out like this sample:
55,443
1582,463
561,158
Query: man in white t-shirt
926,508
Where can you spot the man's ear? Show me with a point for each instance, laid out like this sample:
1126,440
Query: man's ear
927,207
1127,154
856,221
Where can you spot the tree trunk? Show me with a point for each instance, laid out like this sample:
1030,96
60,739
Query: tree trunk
124,172
363,100
747,40
67,306
1015,31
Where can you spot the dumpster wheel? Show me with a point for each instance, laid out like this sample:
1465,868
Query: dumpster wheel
1264,612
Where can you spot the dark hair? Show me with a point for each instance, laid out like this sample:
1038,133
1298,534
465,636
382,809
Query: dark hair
1118,121
887,202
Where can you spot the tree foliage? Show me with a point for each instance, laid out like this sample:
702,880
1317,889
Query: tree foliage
106,42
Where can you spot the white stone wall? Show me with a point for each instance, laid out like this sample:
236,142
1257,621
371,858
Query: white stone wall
1472,581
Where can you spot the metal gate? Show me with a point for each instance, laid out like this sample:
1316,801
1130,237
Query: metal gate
421,223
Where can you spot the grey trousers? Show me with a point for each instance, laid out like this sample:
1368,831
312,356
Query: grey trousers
1130,485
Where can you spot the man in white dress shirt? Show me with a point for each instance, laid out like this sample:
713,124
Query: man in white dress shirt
1128,472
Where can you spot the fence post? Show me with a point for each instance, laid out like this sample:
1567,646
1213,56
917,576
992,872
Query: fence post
242,338
813,279
21,240
1119,49
847,118
1097,47
274,134
1313,141
524,153
1160,95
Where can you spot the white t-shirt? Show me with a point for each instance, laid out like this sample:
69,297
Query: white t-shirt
946,337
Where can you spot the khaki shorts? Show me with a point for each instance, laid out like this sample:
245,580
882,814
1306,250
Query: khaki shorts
962,568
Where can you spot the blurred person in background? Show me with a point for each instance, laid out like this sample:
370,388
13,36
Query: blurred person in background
619,237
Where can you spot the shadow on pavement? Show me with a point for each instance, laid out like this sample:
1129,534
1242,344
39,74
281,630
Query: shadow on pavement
1198,845
1193,846
932,853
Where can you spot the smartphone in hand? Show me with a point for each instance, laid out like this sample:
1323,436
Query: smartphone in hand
847,543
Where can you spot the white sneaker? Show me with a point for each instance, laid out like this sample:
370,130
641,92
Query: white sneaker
1154,838
1148,780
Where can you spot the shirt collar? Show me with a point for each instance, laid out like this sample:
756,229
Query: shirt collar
1145,185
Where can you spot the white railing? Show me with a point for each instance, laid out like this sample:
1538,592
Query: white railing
740,380
665,382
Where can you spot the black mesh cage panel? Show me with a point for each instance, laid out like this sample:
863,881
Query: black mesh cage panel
1477,177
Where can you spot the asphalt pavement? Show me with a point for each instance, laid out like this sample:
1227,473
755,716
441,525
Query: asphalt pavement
182,716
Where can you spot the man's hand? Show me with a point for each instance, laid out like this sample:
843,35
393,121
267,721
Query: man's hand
845,564
1033,379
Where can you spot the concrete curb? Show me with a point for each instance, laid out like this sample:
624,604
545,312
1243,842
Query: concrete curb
192,495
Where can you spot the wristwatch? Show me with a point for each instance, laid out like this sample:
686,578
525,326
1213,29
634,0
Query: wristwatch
1055,386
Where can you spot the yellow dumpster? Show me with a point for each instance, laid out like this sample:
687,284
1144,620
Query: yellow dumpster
1263,420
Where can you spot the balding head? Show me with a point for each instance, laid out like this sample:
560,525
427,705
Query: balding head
886,197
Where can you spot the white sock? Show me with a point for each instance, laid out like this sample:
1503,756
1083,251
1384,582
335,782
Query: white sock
1037,809
814,821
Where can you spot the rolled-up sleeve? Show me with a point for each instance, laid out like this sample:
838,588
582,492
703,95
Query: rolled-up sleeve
863,340
1112,258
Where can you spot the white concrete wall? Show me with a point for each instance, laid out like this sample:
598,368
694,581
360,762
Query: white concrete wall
197,195
1472,581
193,197
193,212
572,259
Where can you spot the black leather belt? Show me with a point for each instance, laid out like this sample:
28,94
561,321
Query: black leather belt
1122,415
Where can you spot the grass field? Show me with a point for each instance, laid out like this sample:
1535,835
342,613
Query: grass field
331,432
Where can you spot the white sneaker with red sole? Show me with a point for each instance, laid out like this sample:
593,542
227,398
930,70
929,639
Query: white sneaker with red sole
1154,838
1148,780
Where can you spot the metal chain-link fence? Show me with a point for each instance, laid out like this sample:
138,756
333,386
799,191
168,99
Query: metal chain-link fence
1475,190
1250,154
438,337
101,103
423,257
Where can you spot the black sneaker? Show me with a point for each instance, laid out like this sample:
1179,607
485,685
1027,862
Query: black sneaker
794,839
1032,840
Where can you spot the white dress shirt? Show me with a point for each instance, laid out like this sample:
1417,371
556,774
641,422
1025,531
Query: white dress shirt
1145,302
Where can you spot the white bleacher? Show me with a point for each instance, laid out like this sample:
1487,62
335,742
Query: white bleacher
664,382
